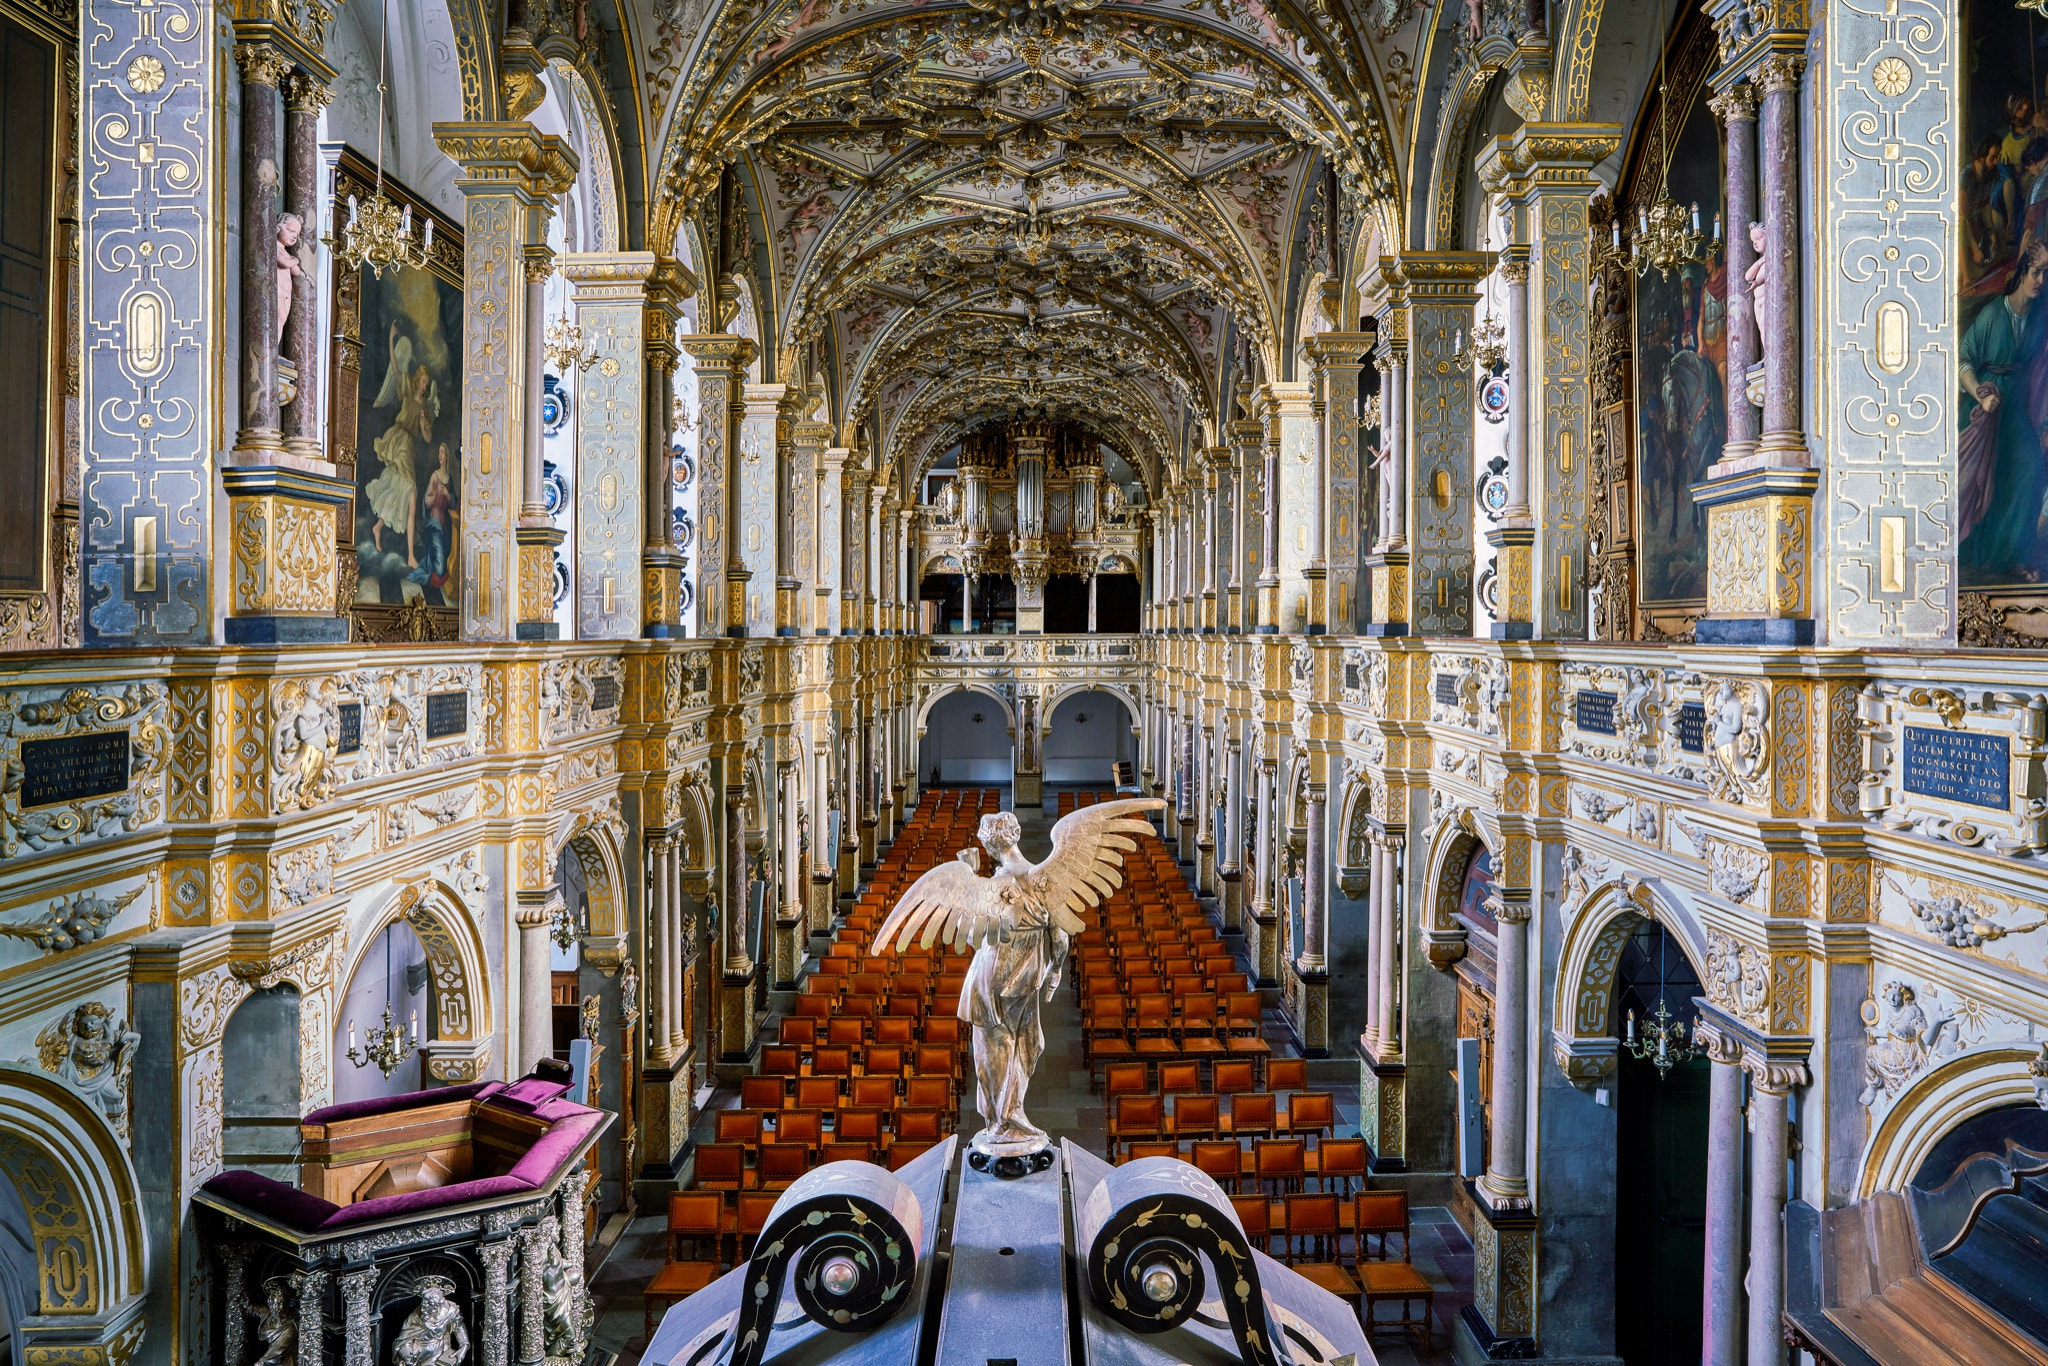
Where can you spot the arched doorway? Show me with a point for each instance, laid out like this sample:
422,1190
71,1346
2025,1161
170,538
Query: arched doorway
1661,1154
966,741
1087,736
392,975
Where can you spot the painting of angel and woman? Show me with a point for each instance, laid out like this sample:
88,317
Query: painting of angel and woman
408,434
2002,407
1681,348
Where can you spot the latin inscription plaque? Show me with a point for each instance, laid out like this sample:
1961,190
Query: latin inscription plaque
1447,690
1692,727
71,768
1957,766
1593,711
604,693
349,737
447,714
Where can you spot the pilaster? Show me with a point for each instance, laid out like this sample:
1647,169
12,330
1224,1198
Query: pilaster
510,177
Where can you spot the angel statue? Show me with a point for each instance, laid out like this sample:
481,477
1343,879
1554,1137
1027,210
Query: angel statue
1018,922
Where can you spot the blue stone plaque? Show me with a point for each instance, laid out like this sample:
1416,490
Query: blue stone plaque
1957,766
1447,690
1692,727
447,714
1593,711
350,728
71,768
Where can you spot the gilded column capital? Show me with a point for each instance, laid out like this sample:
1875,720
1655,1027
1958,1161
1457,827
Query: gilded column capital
1514,268
508,157
262,64
304,95
1774,1076
1736,104
722,350
1780,72
1717,1043
538,260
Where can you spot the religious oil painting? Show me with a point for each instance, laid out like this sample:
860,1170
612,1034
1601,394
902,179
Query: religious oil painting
409,439
1681,347
2002,406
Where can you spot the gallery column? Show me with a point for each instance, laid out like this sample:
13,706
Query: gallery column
510,177
720,361
1337,358
1758,500
538,537
1771,1081
1721,1302
1736,104
662,564
283,500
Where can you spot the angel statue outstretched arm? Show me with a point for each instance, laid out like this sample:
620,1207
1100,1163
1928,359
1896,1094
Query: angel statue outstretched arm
1018,921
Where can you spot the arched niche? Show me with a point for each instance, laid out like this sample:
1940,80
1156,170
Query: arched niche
589,859
263,1084
1078,750
1584,1036
961,749
80,1238
456,1032
1939,1100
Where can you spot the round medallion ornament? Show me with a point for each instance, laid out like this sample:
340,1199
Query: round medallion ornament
554,409
146,75
1493,494
1493,399
1891,77
554,489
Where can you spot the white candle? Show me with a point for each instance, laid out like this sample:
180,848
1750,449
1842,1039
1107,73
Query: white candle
351,210
1695,218
1631,1026
1617,234
415,1026
430,234
351,1036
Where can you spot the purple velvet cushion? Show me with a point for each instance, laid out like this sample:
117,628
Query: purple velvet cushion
387,1105
552,1150
273,1199
421,1201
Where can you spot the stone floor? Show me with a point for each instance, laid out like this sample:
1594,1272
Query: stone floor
1063,1104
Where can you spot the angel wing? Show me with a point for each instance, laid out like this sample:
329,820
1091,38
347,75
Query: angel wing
952,899
1088,847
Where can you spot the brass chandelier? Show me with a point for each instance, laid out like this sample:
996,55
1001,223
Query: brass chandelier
378,234
1667,235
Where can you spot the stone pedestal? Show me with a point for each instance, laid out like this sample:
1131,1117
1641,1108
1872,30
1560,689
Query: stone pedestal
537,546
1387,582
737,1040
1383,1108
1501,1320
282,589
665,1103
1759,557
1312,1010
1514,547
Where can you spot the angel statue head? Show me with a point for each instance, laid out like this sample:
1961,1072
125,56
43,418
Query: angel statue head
1000,833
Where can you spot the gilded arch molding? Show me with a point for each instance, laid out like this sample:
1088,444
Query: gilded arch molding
85,1222
458,974
1582,1013
1940,1099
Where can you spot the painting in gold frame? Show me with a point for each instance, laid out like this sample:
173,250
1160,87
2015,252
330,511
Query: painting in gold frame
395,425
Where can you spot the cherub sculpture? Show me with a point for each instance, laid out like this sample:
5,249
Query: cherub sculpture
1018,922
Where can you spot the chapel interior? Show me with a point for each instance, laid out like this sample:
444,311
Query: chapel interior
528,528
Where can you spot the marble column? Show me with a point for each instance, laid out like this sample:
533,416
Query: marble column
1269,562
304,99
738,951
263,70
1514,535
536,986
831,537
662,566
1394,413
537,535
1091,601
661,955
1721,1313
1376,910
676,1016
1314,883
1387,959
1771,1082
1505,1185
1782,444
1737,107
1271,845
792,464
1215,463
1387,565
